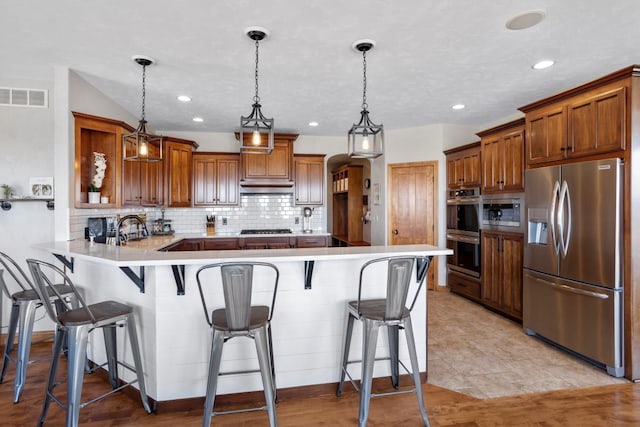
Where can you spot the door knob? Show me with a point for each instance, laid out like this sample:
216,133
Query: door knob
395,231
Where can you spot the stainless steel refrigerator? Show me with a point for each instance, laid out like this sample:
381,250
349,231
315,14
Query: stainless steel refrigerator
572,277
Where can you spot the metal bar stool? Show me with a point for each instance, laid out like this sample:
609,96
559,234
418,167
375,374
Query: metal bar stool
392,313
24,304
239,318
74,325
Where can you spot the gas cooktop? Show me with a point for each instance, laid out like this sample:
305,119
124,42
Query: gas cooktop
268,231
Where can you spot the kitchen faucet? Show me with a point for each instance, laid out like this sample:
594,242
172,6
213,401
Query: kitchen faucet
145,232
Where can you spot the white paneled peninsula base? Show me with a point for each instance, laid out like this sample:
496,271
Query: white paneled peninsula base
308,324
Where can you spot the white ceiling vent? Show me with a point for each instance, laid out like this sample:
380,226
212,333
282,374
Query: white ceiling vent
15,97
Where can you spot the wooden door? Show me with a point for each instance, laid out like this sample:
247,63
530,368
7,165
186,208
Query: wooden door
511,162
151,178
204,180
131,183
178,172
511,246
413,206
491,256
228,174
490,165
471,166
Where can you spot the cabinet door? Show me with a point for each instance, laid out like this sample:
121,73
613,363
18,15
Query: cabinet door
151,179
490,165
546,135
227,176
452,180
265,167
511,246
309,180
178,172
597,124
204,181
471,168
131,194
491,261
219,244
311,242
511,162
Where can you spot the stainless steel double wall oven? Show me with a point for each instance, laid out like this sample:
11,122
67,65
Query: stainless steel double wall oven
463,231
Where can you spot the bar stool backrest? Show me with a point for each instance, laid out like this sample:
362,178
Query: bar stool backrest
44,276
14,271
399,275
237,286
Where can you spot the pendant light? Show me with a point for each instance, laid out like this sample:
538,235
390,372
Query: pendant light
141,145
256,131
366,139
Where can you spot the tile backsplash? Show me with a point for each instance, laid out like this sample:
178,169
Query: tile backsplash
255,211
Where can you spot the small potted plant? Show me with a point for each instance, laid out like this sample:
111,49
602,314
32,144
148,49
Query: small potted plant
7,191
100,163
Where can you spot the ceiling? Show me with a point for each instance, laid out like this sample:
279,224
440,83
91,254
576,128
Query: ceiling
430,54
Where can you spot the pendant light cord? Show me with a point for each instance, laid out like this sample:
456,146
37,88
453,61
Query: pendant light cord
144,92
364,80
256,98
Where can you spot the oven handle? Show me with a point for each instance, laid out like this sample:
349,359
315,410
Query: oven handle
464,201
465,239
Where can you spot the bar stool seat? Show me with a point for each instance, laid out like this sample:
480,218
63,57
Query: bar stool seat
392,313
24,304
74,326
239,318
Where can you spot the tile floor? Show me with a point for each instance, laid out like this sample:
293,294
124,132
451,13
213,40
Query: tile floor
482,354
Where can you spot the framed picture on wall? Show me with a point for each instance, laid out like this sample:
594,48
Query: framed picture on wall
41,187
376,194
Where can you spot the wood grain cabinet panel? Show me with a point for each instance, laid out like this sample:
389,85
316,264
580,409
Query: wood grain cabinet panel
274,169
309,179
502,272
546,135
463,167
178,179
503,158
215,179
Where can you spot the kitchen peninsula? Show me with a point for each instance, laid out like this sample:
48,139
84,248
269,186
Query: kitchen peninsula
308,321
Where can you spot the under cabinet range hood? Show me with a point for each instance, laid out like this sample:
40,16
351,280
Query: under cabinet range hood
253,188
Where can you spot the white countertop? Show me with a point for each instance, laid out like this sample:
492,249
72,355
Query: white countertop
145,252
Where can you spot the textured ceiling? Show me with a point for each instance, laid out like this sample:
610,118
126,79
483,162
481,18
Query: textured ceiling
430,54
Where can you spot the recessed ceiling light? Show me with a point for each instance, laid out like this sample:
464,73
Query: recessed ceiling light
313,124
525,20
198,119
184,98
543,64
458,106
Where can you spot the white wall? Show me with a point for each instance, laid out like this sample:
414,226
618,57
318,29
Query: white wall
26,149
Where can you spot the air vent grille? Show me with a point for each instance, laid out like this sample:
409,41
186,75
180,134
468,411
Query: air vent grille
16,97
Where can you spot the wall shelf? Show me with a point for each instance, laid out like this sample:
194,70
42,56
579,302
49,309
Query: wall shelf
5,204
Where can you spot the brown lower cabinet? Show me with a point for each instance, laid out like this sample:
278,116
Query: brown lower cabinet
231,243
502,272
464,285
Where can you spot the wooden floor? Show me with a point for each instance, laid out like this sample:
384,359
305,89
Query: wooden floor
615,405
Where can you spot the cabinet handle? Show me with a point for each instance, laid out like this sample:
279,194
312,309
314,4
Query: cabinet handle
395,232
563,148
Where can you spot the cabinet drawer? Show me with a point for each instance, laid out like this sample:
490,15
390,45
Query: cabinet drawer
312,242
219,244
464,286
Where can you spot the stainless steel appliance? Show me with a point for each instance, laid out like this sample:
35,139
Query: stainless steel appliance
573,259
503,212
306,219
463,231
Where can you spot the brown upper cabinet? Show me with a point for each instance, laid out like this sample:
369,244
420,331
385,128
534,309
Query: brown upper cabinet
101,135
178,155
503,158
269,170
463,166
309,179
142,182
587,121
215,179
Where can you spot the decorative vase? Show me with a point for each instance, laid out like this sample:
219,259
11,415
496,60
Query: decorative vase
94,196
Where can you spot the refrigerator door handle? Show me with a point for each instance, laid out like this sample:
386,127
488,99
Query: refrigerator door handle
553,215
572,289
564,206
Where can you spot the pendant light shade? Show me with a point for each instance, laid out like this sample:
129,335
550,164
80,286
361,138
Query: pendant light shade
366,139
256,131
141,145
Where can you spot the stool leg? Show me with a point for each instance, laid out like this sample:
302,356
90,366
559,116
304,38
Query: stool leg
393,332
78,337
212,381
11,336
27,315
60,338
345,352
111,347
273,365
369,341
265,370
137,360
411,345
